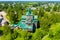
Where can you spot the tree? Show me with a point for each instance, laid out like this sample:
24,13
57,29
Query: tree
46,37
54,32
38,35
18,38
48,8
41,12
24,34
6,29
6,37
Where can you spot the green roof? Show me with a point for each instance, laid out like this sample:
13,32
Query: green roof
28,12
35,17
23,17
24,26
35,21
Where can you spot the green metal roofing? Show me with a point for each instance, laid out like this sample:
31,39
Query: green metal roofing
23,20
35,20
23,25
29,12
14,25
23,17
35,17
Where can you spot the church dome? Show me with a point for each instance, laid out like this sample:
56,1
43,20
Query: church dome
29,12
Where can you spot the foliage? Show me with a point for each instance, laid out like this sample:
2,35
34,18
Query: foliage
48,17
54,32
38,35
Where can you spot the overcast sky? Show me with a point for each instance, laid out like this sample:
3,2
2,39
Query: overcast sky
29,0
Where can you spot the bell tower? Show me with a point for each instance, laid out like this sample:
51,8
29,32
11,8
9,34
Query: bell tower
29,16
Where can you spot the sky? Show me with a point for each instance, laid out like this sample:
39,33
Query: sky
29,0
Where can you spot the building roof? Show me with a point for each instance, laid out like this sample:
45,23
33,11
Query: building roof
28,12
23,17
35,17
24,26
